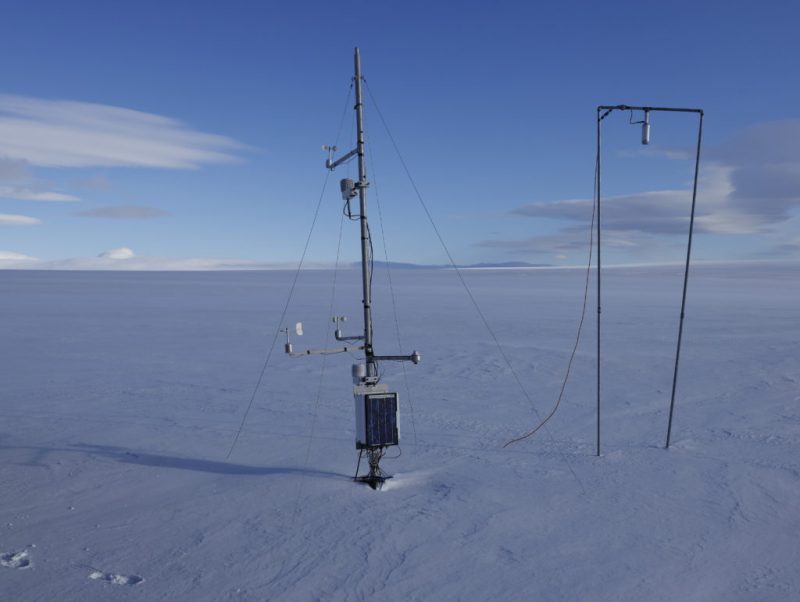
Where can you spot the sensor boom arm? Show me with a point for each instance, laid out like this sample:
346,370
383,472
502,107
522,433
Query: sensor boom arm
289,349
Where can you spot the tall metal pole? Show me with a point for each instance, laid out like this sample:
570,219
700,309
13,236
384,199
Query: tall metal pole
685,279
362,197
597,181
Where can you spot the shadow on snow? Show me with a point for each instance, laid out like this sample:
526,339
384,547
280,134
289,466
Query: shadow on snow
128,456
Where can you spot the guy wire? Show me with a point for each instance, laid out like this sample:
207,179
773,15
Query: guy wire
291,289
463,282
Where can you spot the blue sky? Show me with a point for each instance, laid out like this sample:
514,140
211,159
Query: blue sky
189,133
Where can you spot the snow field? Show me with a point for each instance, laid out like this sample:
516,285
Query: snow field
122,394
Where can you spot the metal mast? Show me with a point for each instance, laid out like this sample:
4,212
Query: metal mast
349,190
376,407
365,234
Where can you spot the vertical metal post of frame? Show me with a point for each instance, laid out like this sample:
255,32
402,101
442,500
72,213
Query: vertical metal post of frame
597,197
685,279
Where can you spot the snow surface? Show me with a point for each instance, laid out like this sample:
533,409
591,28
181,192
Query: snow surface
122,393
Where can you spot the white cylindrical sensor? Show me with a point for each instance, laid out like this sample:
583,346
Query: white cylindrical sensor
646,128
347,186
359,373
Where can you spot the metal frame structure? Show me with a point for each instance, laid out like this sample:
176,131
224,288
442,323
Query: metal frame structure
604,111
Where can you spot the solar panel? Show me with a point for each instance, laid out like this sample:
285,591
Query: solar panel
380,420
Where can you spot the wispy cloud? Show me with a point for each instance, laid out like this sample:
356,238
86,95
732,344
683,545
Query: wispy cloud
124,258
661,211
97,182
563,242
64,133
121,253
10,219
10,257
16,182
765,169
125,212
28,194
13,170
748,185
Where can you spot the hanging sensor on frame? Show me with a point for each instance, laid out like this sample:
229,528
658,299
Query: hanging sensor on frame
646,128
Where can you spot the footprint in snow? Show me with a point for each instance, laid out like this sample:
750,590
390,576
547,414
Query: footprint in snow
116,579
16,560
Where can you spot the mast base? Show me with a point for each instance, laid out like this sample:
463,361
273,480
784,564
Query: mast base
375,478
375,482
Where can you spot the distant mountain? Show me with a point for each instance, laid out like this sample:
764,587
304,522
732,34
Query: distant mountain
399,265
419,266
507,264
